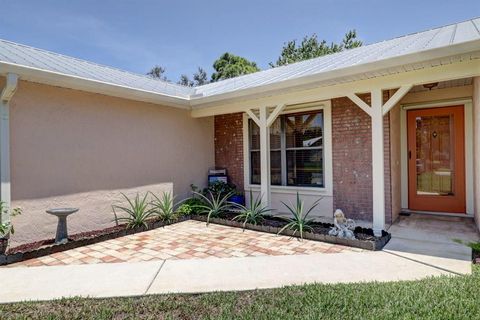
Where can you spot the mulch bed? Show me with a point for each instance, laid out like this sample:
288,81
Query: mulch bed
365,238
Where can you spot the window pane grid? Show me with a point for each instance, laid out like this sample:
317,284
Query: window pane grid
296,150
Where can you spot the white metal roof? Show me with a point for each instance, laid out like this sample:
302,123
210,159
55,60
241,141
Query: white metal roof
26,56
414,43
437,43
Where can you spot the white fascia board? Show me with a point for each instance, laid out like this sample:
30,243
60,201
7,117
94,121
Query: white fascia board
305,81
463,69
78,83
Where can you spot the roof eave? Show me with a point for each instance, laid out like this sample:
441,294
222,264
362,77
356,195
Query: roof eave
78,83
307,81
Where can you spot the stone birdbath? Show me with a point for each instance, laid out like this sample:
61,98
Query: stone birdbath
62,214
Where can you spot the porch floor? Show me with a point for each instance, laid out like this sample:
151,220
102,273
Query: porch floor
434,240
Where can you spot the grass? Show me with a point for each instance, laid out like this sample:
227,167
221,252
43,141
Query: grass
434,298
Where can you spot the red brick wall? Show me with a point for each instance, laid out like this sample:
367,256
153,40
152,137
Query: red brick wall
352,160
352,156
229,146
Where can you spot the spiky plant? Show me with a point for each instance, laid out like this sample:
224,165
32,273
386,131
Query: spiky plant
254,213
138,211
214,205
299,221
164,206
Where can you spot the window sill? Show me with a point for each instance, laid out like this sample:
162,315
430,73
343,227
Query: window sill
292,190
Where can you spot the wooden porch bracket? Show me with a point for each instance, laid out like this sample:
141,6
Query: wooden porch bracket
264,121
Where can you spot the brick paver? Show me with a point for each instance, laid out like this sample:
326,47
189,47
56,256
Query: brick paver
185,240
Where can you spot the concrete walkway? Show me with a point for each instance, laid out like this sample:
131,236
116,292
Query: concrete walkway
204,275
421,246
434,240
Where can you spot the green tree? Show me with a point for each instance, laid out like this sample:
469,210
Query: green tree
185,81
157,72
199,78
311,47
230,66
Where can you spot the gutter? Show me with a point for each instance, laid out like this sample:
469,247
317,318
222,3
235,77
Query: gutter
58,79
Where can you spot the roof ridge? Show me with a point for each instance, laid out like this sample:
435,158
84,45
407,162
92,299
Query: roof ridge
94,63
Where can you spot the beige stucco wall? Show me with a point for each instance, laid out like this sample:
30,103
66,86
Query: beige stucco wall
72,148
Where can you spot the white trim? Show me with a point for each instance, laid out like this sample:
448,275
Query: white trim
393,100
360,103
5,181
273,116
378,162
327,147
441,72
468,114
253,117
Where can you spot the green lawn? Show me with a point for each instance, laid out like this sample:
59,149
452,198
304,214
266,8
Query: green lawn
437,298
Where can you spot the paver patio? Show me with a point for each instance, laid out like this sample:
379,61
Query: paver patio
186,240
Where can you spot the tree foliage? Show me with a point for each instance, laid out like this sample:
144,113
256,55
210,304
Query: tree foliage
199,78
158,72
311,47
230,66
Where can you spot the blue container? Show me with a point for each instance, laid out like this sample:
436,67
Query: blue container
238,199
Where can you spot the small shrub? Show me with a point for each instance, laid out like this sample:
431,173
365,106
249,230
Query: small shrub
7,228
164,206
254,213
299,222
214,206
185,209
138,211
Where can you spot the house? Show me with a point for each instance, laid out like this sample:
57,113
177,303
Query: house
388,127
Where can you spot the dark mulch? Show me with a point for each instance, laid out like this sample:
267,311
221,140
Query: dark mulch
74,237
364,234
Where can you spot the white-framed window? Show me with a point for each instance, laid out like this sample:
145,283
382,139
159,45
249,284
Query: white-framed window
297,155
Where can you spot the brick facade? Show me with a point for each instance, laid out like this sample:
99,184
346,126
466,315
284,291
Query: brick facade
352,158
229,146
351,155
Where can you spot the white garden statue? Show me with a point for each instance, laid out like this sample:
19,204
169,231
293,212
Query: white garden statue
343,227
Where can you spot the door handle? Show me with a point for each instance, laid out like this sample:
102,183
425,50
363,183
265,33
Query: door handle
409,154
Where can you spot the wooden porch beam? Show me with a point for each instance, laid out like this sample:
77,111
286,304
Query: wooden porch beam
397,96
360,103
253,116
273,116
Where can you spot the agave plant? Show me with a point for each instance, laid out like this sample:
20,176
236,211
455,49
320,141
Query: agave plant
299,221
214,206
138,211
164,206
254,213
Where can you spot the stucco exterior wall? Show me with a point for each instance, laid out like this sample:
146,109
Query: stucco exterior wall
72,148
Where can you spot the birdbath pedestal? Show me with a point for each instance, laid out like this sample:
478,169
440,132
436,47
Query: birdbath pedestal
62,214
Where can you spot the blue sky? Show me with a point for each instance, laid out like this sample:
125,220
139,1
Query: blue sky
182,35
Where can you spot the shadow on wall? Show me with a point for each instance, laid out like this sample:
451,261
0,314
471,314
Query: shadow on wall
95,212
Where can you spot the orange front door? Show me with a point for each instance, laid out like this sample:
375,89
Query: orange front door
436,159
